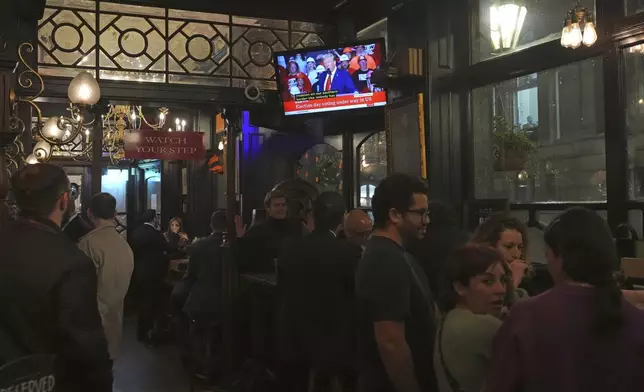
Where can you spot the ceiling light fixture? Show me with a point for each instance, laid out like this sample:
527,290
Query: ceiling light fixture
579,28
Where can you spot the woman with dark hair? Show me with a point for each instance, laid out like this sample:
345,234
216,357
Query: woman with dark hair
175,236
580,336
509,236
476,284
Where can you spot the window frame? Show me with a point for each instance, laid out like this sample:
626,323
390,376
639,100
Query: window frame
616,31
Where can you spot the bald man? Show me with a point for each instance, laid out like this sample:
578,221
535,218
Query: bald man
357,227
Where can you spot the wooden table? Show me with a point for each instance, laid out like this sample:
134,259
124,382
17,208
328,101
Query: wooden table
178,265
263,315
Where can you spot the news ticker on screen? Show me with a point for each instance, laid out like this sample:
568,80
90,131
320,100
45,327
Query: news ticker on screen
330,100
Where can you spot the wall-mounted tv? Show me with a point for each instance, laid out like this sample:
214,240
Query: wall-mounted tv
331,78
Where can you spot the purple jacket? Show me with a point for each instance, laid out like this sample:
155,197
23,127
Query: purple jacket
547,344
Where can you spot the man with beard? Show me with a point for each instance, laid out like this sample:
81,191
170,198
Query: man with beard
395,302
48,286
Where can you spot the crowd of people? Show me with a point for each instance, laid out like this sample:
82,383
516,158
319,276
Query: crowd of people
408,302
343,71
421,305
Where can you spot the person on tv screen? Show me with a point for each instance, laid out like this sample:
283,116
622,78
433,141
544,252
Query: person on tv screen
344,62
311,71
336,79
362,77
289,83
318,87
362,52
302,84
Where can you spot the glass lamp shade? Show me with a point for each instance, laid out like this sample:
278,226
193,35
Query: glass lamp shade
31,159
221,146
590,34
51,130
42,150
506,23
575,37
84,90
565,37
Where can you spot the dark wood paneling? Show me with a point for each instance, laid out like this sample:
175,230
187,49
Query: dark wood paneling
171,200
201,197
159,94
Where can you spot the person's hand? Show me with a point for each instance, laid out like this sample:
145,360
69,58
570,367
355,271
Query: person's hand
519,269
504,312
240,228
183,236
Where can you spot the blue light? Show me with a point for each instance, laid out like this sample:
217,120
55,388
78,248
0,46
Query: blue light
250,149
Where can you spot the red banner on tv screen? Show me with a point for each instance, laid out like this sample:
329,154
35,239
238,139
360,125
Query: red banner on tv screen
342,102
175,146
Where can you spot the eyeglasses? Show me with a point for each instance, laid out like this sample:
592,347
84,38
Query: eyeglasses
421,211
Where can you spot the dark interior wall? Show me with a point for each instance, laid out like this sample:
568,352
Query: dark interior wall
171,198
274,162
202,197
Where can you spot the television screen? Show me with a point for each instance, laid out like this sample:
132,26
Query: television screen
323,79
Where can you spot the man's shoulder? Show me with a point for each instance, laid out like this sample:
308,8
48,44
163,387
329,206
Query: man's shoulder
383,250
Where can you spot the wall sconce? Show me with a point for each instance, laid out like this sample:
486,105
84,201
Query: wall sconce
58,133
579,28
506,22
222,143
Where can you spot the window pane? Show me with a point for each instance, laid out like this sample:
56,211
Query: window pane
372,155
633,6
540,137
376,30
322,166
532,22
634,87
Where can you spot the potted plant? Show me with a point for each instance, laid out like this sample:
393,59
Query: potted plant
512,146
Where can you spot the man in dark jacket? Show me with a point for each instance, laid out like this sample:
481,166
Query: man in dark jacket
48,286
203,279
199,298
315,282
150,269
257,250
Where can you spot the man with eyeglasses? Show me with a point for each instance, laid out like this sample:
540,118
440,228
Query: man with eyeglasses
48,287
396,304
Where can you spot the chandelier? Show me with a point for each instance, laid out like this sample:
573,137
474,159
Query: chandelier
579,28
506,22
60,135
122,119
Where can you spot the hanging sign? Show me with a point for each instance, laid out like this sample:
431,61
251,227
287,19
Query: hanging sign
175,146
